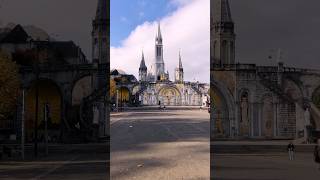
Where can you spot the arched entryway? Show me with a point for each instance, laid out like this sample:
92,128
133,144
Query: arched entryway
123,96
169,96
82,88
48,93
220,115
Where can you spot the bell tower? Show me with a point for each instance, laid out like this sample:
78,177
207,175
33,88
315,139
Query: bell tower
143,70
179,71
159,63
222,31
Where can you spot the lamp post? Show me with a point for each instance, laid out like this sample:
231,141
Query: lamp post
22,126
37,72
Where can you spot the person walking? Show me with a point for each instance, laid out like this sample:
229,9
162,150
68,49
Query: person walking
291,151
317,153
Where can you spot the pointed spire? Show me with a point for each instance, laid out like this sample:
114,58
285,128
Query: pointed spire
101,10
180,62
142,63
159,36
222,11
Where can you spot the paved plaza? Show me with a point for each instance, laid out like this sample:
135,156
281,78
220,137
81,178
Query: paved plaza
170,144
265,166
79,162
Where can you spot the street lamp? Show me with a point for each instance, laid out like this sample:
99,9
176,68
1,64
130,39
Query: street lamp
37,72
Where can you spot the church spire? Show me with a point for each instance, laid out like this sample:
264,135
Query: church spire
143,70
179,71
159,36
180,62
222,31
222,11
101,13
142,63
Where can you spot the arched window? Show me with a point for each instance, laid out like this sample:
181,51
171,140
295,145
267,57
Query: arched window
215,52
232,55
224,54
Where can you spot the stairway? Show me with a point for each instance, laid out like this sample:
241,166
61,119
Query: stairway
315,113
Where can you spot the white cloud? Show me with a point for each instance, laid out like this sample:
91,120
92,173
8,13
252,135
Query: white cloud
188,29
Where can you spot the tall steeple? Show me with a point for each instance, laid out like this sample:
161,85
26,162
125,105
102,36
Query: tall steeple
143,69
222,11
100,32
222,31
180,62
159,63
179,71
101,12
159,36
100,56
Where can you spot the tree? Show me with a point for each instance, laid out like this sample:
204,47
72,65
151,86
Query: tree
9,86
113,88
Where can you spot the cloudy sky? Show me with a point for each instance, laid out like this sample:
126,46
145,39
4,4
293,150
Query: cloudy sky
184,24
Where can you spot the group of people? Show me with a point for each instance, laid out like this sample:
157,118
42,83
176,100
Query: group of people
291,150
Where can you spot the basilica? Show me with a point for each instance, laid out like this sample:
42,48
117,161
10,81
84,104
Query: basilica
154,86
254,101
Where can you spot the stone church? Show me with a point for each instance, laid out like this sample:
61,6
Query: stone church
253,101
154,86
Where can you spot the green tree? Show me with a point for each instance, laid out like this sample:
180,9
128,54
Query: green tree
9,86
113,88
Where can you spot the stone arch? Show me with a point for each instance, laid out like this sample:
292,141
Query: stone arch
295,120
222,111
169,96
315,108
49,92
82,88
292,89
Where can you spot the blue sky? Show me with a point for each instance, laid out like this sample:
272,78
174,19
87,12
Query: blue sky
185,26
127,14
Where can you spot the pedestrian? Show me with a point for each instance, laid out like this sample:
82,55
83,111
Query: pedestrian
317,153
291,151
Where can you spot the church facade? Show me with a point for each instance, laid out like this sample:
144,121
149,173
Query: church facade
253,101
154,86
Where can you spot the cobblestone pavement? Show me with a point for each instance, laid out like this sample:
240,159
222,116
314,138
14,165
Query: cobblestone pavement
160,145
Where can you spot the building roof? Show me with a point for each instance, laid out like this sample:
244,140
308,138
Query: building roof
19,34
116,72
